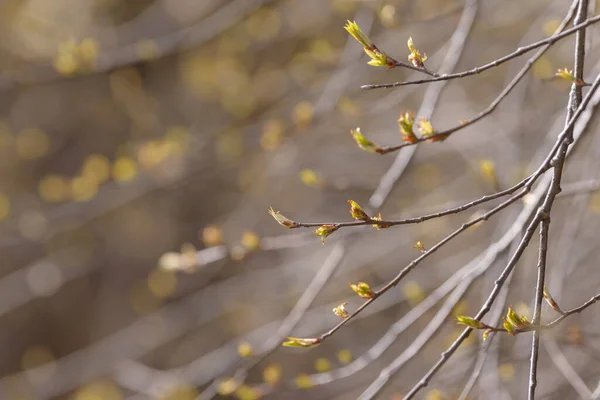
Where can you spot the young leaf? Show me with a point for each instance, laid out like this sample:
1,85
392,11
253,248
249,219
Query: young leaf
282,220
470,322
341,311
357,212
301,342
325,230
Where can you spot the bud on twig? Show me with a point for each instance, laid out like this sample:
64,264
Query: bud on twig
341,311
420,246
363,290
379,226
551,301
363,142
568,75
470,322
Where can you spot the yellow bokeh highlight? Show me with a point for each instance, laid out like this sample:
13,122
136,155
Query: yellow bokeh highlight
250,240
245,349
32,143
162,283
303,113
272,135
4,206
435,394
102,389
212,235
304,381
388,15
54,188
227,387
124,169
97,168
345,356
89,48
272,374
83,188
322,364
74,57
245,392
310,178
66,64
413,292
153,153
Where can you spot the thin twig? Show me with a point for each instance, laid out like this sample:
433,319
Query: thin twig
501,96
512,262
537,313
495,63
553,190
330,265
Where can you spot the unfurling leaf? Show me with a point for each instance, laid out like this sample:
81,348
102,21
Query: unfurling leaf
510,328
282,220
517,320
341,311
357,212
470,322
353,29
301,342
380,225
325,230
363,290
427,130
363,142
415,56
379,58
568,75
420,246
406,123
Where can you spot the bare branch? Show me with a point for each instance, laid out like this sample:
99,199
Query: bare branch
495,63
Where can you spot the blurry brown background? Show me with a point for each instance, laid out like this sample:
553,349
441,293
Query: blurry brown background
135,131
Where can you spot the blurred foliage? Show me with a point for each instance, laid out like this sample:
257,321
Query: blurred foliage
135,135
